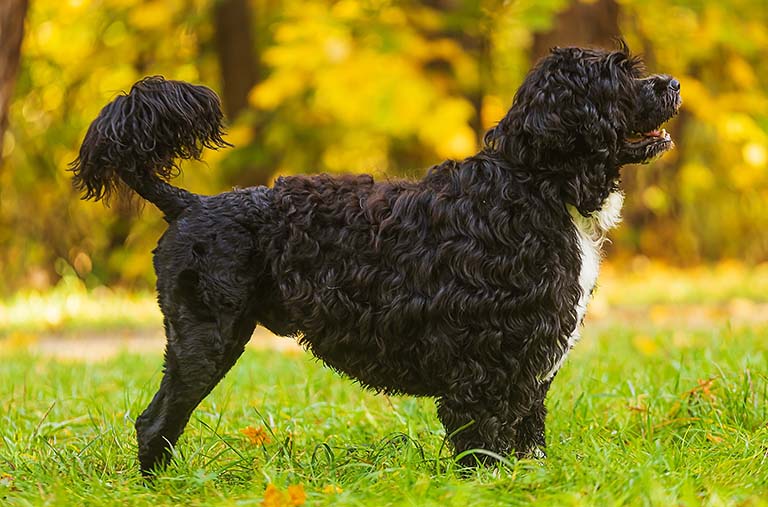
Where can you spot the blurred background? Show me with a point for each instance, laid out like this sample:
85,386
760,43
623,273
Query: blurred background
379,86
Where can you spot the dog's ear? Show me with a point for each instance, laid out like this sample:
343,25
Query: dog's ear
549,100
619,71
539,121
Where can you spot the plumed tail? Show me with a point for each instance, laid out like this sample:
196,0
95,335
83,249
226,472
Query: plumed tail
139,137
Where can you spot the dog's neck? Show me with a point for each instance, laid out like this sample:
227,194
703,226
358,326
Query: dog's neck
599,222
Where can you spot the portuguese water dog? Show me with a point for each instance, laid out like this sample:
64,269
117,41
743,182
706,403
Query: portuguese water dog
468,285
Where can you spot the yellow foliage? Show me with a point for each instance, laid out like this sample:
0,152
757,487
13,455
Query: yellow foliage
741,72
377,86
240,134
755,154
645,345
493,110
696,177
655,198
152,14
447,129
354,151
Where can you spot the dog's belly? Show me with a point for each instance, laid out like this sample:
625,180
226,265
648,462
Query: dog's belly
591,234
389,377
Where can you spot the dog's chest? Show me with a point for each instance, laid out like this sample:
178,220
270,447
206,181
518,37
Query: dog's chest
591,234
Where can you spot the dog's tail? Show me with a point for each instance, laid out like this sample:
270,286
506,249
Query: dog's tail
138,138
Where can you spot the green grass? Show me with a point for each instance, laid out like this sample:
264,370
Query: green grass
634,420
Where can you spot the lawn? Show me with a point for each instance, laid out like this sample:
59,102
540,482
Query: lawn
658,405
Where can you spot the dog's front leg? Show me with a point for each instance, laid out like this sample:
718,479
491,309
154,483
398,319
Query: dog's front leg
530,440
511,420
486,424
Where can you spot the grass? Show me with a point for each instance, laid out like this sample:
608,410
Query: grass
659,416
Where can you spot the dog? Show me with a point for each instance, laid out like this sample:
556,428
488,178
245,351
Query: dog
468,285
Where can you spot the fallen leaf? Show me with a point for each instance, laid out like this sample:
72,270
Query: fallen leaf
332,489
256,436
714,438
296,495
273,497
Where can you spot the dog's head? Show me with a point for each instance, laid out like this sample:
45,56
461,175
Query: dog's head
581,114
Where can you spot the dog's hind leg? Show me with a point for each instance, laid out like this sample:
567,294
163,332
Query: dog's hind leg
198,355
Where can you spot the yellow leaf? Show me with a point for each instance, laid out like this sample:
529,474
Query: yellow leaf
272,92
292,497
714,438
493,110
755,154
645,345
332,489
740,71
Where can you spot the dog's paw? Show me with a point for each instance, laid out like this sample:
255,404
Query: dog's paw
534,453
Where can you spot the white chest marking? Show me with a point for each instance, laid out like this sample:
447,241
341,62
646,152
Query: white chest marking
591,231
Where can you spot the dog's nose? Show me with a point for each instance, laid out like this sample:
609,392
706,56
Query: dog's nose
674,85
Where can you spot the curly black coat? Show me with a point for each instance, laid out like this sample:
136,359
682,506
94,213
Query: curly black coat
467,285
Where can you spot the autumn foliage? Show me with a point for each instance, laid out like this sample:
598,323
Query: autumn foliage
381,86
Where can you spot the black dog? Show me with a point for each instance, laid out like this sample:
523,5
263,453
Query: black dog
468,285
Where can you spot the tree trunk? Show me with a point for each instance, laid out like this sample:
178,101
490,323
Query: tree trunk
12,13
581,24
238,56
235,47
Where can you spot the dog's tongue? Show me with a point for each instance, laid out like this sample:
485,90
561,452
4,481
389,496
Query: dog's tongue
650,135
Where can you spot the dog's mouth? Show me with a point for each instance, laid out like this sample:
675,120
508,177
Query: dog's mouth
659,102
644,147
650,137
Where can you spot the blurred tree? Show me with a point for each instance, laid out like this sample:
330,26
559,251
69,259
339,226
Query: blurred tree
366,86
708,199
235,49
382,86
580,23
469,25
76,58
12,13
239,56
